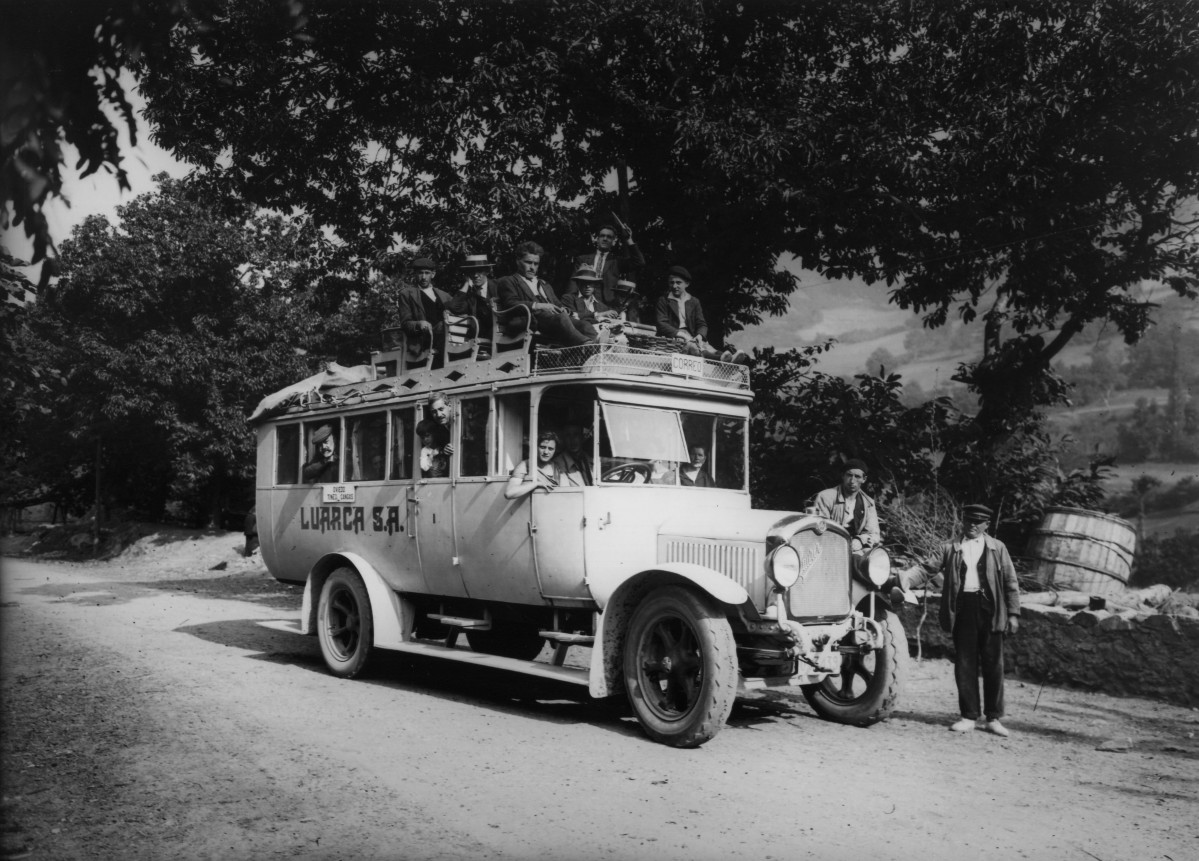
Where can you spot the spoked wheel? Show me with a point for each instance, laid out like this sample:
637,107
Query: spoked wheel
867,688
680,667
345,626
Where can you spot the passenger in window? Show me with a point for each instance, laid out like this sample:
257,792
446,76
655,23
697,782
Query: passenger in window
433,461
546,474
574,460
434,433
323,468
695,473
680,316
848,506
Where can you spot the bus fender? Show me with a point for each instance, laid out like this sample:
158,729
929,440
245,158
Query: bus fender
606,671
387,608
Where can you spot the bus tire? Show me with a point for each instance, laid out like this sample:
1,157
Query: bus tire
868,686
345,625
680,667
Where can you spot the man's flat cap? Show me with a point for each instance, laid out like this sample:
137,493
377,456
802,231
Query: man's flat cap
976,513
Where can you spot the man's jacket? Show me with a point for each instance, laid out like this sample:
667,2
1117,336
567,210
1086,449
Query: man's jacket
412,308
669,322
830,504
997,576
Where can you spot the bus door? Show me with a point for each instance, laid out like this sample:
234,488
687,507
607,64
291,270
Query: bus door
558,537
494,534
430,506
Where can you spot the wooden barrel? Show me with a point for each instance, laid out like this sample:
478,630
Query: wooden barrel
1083,550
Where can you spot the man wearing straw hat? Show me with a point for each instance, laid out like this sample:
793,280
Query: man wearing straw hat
581,302
477,295
980,602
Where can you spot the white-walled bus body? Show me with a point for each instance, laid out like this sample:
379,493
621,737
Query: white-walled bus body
615,561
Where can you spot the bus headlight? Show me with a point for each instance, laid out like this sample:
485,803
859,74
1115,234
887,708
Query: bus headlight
873,568
783,566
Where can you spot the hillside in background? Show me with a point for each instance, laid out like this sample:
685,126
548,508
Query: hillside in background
1120,392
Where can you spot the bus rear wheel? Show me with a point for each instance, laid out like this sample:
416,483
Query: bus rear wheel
680,667
345,625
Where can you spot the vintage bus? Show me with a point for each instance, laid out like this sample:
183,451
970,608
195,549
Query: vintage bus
674,592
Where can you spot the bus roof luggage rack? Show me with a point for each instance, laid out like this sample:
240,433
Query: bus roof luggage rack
618,359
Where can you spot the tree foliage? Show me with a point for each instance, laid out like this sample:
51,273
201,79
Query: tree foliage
807,423
166,329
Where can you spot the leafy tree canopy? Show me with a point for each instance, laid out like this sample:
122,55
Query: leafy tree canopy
166,329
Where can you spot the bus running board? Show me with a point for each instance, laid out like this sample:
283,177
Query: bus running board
433,649
562,641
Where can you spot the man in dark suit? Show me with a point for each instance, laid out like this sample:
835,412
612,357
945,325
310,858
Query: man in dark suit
524,289
476,297
581,302
609,263
421,308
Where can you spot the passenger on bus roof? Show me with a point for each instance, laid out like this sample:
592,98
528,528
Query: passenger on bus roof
609,263
476,297
550,319
680,316
323,467
421,308
581,301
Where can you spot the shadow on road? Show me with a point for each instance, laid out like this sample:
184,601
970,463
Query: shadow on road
249,586
487,687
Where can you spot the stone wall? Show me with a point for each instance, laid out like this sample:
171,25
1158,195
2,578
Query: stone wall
1130,654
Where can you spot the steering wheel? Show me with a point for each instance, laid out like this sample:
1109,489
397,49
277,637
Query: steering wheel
627,473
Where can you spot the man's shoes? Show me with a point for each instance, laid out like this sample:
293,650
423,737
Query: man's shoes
963,725
996,728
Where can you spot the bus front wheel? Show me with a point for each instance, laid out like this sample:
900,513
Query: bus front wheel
680,667
345,625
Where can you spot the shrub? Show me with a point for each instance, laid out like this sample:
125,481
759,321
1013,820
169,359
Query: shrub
1168,560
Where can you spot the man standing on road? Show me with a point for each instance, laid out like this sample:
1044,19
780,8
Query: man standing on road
847,505
980,602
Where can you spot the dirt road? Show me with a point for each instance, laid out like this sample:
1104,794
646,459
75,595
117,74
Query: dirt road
147,714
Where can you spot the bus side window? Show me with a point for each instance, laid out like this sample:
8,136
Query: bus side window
512,430
366,447
287,454
403,422
474,437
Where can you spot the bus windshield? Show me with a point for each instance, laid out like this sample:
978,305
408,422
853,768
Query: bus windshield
657,446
